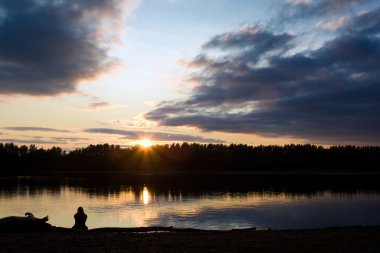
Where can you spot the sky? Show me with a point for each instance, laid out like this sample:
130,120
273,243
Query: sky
265,72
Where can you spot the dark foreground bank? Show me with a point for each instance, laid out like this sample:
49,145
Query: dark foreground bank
316,240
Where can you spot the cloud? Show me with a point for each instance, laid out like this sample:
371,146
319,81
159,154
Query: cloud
70,139
328,95
49,47
154,136
332,24
31,141
250,36
306,9
41,129
99,106
298,2
55,140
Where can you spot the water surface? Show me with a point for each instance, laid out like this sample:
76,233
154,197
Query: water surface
205,204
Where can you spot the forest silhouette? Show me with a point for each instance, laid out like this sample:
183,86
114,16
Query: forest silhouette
188,158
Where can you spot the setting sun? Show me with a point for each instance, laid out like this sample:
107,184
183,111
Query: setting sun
145,143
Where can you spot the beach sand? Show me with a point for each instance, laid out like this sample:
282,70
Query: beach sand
360,239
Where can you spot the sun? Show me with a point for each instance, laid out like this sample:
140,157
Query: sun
145,143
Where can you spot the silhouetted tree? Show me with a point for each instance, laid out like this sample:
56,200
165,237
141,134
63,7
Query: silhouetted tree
188,157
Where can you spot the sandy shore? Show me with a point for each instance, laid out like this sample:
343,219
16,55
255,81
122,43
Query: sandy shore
316,240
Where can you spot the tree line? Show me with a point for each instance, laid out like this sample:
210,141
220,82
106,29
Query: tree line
188,157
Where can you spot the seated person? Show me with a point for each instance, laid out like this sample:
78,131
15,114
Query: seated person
80,219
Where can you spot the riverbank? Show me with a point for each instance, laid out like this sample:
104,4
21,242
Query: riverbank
360,239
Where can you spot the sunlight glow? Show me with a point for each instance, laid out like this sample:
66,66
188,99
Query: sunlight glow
145,143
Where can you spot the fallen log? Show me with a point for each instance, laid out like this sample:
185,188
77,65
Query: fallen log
27,223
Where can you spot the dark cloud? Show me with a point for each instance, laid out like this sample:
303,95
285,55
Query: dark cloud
47,47
295,9
42,129
327,95
252,37
154,136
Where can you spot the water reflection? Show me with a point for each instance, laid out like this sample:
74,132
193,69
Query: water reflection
145,196
139,204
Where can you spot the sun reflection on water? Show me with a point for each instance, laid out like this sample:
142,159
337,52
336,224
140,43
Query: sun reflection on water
146,196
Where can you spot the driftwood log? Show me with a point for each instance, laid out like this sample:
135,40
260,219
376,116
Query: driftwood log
27,223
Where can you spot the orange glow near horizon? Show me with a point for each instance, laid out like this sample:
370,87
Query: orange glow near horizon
145,143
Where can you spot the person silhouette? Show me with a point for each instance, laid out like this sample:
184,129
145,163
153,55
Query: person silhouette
80,219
